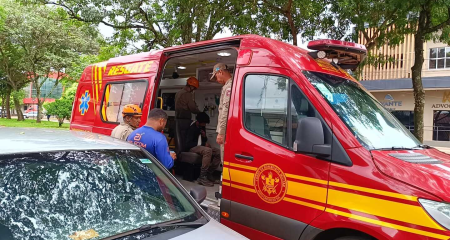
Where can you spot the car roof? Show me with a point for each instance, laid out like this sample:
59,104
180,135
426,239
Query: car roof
30,140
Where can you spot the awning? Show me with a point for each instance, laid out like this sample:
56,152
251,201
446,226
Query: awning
405,83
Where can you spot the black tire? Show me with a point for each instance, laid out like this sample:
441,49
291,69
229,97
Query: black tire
352,238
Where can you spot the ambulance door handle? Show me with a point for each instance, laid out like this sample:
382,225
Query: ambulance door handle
244,157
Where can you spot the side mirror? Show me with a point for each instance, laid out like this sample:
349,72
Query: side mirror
310,138
198,193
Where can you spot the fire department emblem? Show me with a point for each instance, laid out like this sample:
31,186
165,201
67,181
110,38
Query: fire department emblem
270,183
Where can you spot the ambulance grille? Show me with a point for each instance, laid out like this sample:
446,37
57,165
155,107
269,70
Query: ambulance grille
416,158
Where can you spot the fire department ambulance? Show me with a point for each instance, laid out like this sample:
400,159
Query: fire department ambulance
309,153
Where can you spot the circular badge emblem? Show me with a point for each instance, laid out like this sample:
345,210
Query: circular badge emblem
270,183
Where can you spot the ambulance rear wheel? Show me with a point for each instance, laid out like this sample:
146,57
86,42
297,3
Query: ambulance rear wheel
352,238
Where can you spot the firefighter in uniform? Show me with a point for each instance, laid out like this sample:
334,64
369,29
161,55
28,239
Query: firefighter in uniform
184,100
223,76
131,114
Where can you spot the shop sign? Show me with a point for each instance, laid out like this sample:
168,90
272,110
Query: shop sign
390,103
445,101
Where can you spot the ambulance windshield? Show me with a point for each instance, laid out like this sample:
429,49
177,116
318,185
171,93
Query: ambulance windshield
370,122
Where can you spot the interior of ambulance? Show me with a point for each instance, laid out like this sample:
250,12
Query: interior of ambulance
207,97
265,110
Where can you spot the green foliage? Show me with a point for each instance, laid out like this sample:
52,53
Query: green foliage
30,123
381,15
62,108
155,23
282,19
43,42
20,95
77,67
70,91
381,22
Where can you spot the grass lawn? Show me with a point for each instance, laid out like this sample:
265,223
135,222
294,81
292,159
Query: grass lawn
31,123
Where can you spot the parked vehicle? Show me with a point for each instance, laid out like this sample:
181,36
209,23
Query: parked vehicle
78,185
31,114
309,153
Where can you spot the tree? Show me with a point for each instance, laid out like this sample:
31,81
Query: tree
431,20
61,108
373,20
10,62
388,22
48,43
156,23
284,18
107,51
5,95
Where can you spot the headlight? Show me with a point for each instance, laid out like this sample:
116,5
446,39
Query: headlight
438,210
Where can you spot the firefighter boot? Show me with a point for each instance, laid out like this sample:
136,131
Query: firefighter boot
203,180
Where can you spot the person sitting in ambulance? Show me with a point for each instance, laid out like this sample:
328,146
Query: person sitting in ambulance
131,114
184,100
210,156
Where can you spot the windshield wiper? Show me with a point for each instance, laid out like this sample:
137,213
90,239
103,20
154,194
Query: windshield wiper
175,223
172,223
393,149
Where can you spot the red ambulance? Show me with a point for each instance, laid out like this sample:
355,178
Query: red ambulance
309,153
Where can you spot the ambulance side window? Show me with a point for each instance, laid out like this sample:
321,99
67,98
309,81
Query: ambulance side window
265,107
119,94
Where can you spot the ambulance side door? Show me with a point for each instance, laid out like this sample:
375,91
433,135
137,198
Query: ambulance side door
272,189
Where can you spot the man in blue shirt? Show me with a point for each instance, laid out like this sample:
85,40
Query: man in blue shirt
150,137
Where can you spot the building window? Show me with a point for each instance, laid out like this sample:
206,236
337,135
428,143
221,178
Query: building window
406,118
439,58
117,95
48,89
441,125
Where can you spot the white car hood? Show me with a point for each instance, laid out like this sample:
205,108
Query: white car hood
211,230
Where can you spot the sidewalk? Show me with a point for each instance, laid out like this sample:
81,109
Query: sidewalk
443,149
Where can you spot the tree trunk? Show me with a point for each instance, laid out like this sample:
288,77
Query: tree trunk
3,107
60,121
18,108
8,105
38,95
419,93
39,110
292,27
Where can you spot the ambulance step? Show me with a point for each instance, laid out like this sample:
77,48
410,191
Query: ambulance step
210,206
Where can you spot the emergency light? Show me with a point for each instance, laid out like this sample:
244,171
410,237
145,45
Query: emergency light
346,55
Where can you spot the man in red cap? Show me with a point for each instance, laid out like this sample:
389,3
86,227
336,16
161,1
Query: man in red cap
223,76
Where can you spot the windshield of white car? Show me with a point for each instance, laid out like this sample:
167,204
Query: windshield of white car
96,193
370,122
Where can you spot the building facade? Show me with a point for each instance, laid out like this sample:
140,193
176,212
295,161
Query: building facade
48,91
390,82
